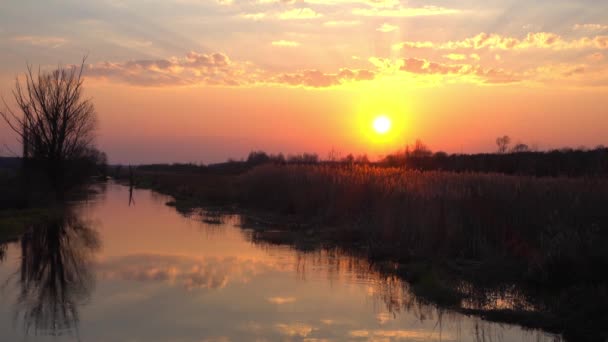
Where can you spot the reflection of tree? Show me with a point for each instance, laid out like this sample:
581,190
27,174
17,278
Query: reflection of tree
2,252
55,275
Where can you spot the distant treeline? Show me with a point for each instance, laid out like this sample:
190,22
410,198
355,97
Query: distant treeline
563,162
234,166
571,163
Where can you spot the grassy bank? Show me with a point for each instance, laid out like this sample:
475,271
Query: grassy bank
479,233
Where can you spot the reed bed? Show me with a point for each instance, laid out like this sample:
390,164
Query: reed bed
553,227
544,238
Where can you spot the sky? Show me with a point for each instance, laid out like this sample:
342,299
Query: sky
206,80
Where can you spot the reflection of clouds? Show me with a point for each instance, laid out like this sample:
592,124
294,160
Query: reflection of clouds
384,317
295,329
396,335
217,339
281,300
252,327
192,273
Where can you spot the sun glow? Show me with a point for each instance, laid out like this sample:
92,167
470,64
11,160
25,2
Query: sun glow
382,124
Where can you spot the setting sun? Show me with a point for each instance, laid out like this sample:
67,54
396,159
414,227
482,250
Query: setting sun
382,124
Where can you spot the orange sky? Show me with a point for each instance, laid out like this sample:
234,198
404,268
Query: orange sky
202,81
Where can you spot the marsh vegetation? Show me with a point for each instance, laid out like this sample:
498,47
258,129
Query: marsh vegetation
542,237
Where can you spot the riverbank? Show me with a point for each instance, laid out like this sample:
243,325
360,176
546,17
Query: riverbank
20,208
513,249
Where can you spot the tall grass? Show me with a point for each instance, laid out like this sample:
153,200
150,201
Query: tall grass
551,226
456,235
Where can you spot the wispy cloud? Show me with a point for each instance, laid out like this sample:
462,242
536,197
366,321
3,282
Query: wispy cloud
456,56
45,41
254,16
596,57
285,43
216,69
292,14
387,28
373,3
341,23
534,40
318,79
425,67
591,27
404,12
299,14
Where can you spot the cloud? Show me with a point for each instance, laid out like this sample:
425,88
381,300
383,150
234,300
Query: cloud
387,28
316,78
341,23
596,57
425,67
45,41
254,16
299,14
534,40
372,3
293,14
195,68
215,69
456,56
404,12
285,43
590,27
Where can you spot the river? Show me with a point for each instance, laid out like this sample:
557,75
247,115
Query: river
112,269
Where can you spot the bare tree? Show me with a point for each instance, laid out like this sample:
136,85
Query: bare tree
520,147
503,143
420,149
55,122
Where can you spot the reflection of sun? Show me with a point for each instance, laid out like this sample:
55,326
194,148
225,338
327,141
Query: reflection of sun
382,124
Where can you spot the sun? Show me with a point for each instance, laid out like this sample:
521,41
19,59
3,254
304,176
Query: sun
382,124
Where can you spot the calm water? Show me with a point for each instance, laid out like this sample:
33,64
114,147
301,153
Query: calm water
113,272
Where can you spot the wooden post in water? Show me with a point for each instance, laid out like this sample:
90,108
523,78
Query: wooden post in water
131,184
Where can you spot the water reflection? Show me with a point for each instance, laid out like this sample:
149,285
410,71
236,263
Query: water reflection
3,248
164,277
187,272
55,275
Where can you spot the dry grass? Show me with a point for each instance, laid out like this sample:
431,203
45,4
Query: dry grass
546,237
543,223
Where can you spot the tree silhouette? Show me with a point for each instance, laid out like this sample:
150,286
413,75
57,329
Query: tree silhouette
503,143
520,148
54,123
